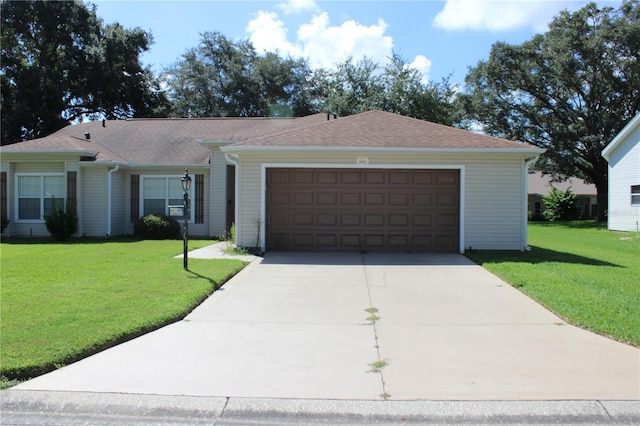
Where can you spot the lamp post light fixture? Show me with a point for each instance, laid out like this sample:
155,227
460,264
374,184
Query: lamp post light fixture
186,185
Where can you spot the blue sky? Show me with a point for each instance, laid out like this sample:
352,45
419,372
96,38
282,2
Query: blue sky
439,38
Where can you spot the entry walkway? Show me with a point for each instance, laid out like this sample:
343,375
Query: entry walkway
363,327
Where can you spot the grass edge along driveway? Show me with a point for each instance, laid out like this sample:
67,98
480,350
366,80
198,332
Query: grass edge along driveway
582,272
64,301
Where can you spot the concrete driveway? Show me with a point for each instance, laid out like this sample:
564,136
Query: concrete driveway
367,327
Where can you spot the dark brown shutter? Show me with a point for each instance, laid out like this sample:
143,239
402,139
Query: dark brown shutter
3,196
199,198
72,190
135,197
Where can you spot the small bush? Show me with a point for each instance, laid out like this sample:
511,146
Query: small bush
157,227
561,205
61,224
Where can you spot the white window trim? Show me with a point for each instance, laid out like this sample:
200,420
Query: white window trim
167,177
17,195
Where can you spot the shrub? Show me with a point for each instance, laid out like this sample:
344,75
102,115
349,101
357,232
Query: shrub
157,227
5,223
561,205
61,224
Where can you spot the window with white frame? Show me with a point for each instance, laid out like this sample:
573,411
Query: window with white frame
38,195
635,195
160,192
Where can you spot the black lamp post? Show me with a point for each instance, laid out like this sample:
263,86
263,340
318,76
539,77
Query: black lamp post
186,185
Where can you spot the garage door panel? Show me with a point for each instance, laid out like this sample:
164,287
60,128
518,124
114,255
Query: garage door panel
302,199
327,198
302,219
302,177
328,240
327,177
374,199
362,209
372,178
350,241
303,240
398,219
421,199
351,199
399,199
350,220
327,219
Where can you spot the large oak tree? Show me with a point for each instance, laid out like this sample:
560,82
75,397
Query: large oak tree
61,64
569,90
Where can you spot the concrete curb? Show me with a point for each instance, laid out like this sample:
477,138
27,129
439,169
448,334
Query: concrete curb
52,408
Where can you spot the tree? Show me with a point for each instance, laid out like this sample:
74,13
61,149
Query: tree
60,64
355,87
569,90
221,77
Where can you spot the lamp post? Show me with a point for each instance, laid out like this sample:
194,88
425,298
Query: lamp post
186,185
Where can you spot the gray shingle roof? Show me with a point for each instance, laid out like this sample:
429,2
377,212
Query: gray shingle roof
177,141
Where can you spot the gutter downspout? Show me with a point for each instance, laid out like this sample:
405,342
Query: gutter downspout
236,214
525,207
109,194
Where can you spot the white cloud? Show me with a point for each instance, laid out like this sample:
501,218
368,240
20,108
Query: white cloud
422,64
268,34
297,6
325,45
321,43
498,15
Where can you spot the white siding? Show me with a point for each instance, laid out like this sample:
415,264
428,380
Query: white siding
217,206
118,216
94,201
492,184
624,171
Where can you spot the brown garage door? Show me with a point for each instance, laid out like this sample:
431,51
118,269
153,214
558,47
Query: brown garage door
363,210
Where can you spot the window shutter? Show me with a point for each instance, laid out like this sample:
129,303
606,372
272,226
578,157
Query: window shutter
135,197
199,198
3,195
72,190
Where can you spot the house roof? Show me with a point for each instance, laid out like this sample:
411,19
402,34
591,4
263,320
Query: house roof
141,141
620,137
184,141
377,129
540,184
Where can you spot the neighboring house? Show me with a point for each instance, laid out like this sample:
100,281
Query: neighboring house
374,181
623,156
540,185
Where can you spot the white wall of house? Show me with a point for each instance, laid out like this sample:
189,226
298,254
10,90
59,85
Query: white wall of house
92,197
492,189
217,205
624,171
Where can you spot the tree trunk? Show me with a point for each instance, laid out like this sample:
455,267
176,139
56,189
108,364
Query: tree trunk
602,188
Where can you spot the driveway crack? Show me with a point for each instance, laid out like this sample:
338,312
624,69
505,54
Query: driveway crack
378,365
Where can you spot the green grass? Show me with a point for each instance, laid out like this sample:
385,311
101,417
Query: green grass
63,301
585,274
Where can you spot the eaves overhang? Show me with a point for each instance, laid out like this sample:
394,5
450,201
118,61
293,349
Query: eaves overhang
263,149
630,127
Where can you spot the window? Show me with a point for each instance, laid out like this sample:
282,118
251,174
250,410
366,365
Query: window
635,195
38,194
160,192
537,208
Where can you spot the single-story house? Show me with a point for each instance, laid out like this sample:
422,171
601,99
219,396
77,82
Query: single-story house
374,181
540,185
623,156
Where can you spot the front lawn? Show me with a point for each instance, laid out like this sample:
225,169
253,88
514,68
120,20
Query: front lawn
585,274
64,301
